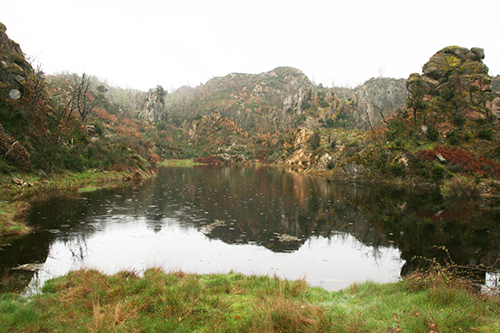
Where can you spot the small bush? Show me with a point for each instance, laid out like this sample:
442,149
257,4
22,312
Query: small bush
99,127
262,155
458,120
161,126
14,153
5,168
495,152
396,129
314,141
452,137
438,171
432,133
452,167
209,160
485,133
458,187
397,169
480,121
447,93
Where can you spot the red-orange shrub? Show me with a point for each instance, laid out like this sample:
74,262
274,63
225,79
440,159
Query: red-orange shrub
467,161
209,160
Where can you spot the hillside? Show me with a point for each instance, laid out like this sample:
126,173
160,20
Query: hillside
68,122
446,135
383,129
283,99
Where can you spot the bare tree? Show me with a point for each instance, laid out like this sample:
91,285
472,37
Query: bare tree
37,87
82,98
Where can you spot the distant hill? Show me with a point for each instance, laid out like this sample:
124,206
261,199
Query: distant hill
284,98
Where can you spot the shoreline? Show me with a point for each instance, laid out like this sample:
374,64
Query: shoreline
177,301
20,190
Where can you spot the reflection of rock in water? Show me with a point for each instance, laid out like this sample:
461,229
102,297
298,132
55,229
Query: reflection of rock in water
207,229
34,266
15,280
288,238
32,248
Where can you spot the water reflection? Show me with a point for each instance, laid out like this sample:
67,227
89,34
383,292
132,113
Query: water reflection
266,222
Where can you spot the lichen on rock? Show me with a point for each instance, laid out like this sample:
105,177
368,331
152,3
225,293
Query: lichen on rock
457,80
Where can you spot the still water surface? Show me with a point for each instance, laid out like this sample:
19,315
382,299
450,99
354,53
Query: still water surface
252,220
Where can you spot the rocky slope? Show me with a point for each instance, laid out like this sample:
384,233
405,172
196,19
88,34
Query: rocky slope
15,73
447,134
13,66
284,99
42,126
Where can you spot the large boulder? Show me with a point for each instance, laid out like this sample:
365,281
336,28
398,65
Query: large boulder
455,80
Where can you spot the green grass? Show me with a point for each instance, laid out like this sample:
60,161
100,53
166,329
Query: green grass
10,217
179,163
86,300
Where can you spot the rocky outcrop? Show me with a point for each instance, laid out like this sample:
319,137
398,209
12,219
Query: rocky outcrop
155,104
454,80
13,66
302,154
267,102
378,98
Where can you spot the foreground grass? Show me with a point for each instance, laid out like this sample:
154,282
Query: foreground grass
86,300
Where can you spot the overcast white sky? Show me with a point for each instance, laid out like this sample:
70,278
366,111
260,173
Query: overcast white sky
142,43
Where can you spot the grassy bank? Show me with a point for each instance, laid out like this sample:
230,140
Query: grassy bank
18,190
179,163
86,300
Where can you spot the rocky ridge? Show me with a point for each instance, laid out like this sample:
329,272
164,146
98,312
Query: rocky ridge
446,134
283,99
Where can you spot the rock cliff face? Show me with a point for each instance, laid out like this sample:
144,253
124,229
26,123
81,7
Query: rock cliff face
267,101
14,71
377,99
454,80
283,99
13,65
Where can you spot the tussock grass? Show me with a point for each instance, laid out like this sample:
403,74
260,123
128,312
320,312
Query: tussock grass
88,300
11,217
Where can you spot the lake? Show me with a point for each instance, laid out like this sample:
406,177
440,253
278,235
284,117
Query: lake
252,220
